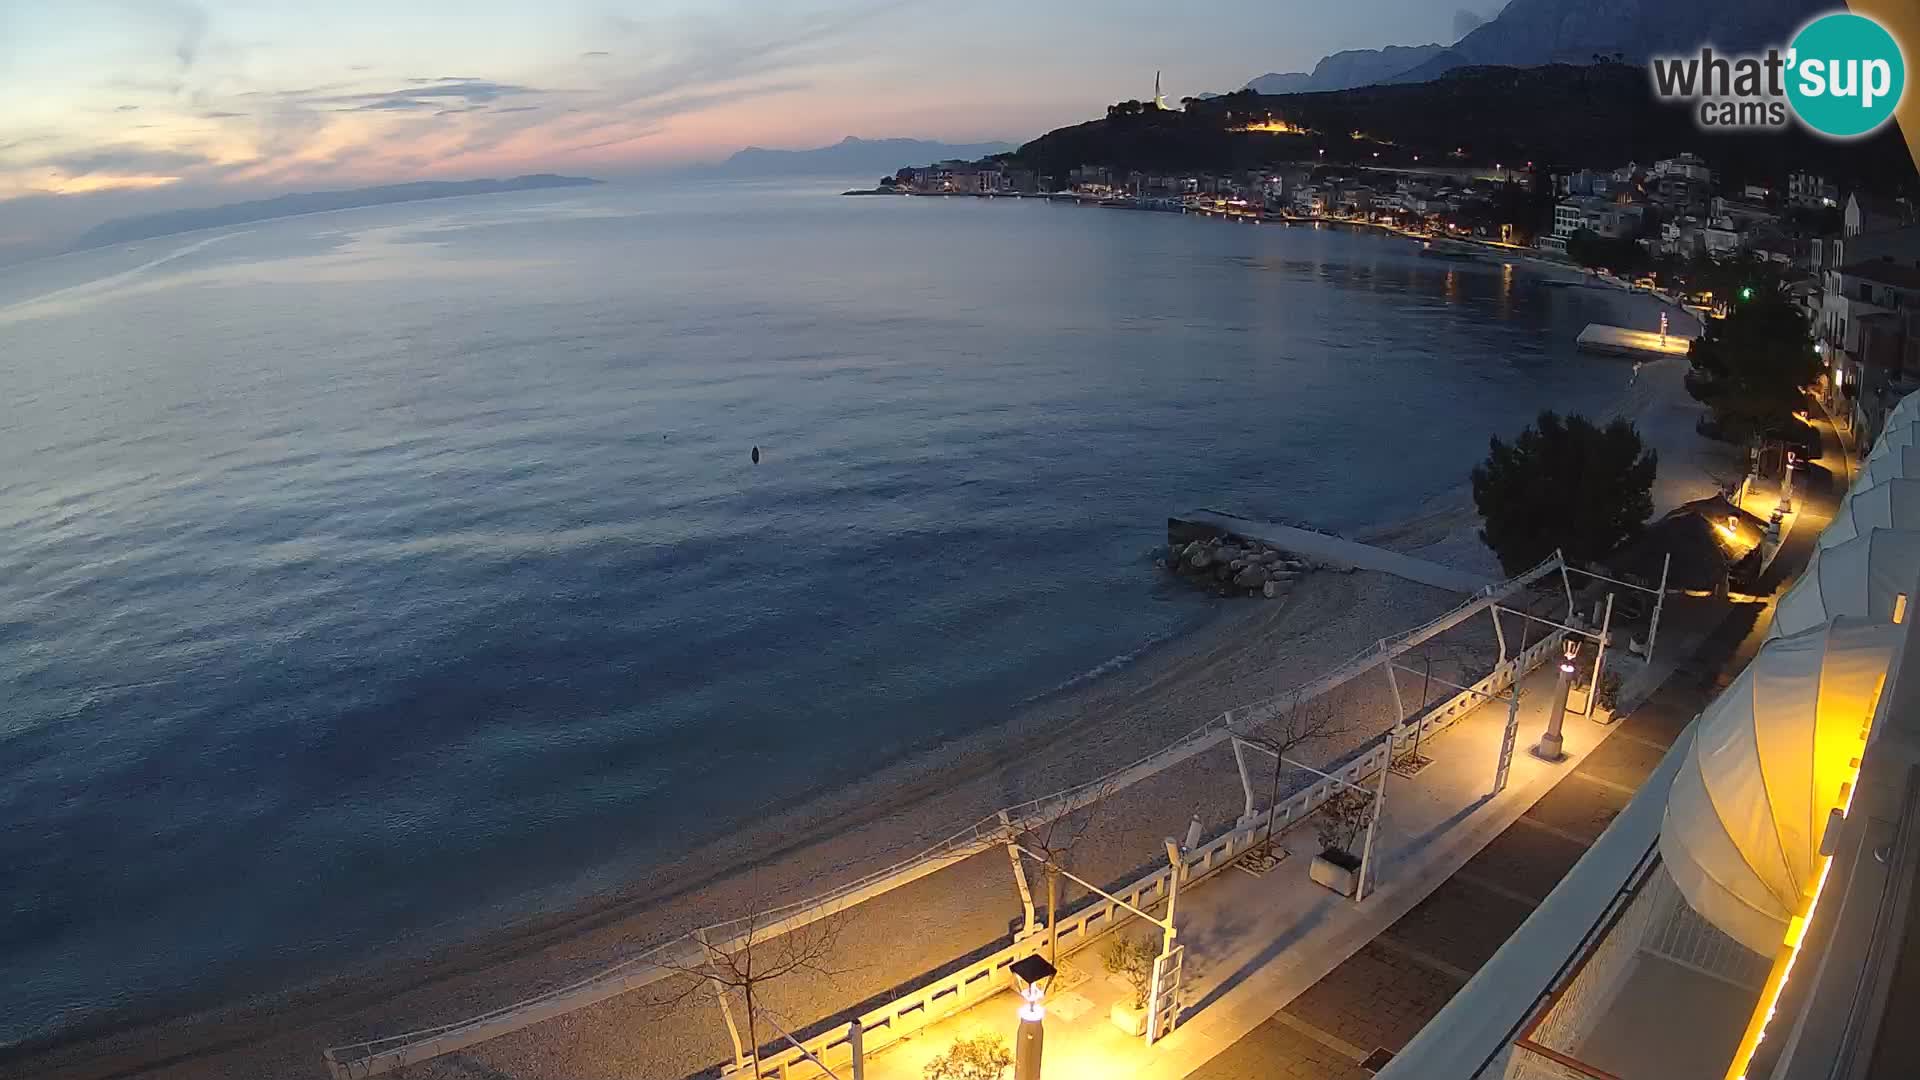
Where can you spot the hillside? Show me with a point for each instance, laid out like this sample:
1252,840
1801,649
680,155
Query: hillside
1564,116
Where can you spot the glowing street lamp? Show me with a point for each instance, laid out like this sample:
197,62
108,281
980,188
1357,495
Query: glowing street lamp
1552,743
1031,975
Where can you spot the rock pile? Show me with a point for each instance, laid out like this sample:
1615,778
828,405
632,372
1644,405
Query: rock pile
1235,567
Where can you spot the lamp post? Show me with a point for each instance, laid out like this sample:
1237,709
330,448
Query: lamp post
1030,977
1551,743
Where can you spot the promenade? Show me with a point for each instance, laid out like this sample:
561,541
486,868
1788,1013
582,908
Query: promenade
1256,941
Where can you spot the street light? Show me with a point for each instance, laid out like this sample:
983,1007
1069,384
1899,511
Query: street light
1030,976
1552,742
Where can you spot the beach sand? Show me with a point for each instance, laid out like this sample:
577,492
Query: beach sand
1246,652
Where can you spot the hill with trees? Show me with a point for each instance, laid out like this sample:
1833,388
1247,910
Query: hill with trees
1557,116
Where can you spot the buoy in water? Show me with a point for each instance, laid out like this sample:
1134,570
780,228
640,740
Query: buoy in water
756,455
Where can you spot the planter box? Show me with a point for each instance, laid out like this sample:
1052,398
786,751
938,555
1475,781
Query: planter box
1128,1019
1333,875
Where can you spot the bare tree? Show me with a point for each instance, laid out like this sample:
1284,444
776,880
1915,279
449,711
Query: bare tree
1051,843
759,951
1283,728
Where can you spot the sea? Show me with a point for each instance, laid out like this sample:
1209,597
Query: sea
374,579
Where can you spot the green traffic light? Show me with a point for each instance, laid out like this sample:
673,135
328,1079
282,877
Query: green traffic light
1746,292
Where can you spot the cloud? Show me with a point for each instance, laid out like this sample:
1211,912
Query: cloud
595,54
123,160
125,108
426,94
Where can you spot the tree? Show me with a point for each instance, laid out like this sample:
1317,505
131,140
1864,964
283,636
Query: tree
1751,367
758,954
1564,484
1281,729
1051,843
1583,247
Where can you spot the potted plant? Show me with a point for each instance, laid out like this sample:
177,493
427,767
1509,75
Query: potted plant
1132,960
1342,818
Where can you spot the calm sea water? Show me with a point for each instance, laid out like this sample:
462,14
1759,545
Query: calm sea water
389,574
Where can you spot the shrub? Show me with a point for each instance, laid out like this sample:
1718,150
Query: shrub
1132,958
982,1058
1341,820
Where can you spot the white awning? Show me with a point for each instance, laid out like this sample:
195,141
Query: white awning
1888,463
1871,576
1901,430
1891,504
1906,411
1749,805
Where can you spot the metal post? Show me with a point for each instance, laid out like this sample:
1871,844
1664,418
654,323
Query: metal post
1498,633
857,1041
1027,1044
726,1011
1507,740
1177,860
1019,874
1373,823
1246,783
1600,658
1399,710
1565,581
1653,630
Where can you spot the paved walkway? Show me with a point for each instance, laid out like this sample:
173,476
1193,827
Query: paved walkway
1258,942
1338,551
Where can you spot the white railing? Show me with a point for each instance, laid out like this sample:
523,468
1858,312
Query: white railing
376,1056
953,993
1656,922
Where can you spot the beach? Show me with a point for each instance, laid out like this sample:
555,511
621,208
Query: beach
1245,652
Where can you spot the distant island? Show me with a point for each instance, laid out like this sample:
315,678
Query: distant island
147,226
848,157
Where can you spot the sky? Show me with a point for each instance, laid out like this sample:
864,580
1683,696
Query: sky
109,107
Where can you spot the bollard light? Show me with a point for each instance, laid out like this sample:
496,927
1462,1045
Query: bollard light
1031,976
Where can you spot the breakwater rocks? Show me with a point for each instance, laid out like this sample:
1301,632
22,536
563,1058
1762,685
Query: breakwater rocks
1231,566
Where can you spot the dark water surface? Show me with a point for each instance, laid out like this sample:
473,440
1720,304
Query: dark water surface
395,573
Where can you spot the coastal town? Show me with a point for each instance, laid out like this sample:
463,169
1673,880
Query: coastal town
1850,260
1400,570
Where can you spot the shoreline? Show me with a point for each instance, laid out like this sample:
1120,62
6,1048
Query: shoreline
1241,651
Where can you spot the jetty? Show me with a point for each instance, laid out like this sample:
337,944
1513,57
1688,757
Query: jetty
1639,344
1323,549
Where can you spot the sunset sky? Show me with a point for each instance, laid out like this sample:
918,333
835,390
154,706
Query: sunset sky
115,106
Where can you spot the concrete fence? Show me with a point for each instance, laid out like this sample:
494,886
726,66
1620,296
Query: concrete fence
953,993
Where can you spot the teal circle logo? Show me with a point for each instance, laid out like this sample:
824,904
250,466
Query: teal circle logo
1846,75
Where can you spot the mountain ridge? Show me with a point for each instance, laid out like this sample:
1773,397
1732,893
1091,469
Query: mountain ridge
851,156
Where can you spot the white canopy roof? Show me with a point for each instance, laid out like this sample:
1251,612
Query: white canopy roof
1863,577
1891,504
1749,805
1905,411
1887,463
1903,430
